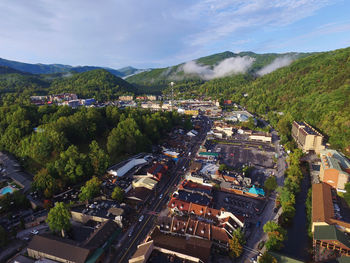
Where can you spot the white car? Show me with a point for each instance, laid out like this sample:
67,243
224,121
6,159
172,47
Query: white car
34,232
141,218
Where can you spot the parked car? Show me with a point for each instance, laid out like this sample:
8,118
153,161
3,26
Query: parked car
34,232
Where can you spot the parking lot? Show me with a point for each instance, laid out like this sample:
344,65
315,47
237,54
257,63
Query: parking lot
239,205
236,155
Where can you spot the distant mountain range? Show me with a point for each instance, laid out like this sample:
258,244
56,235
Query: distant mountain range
59,68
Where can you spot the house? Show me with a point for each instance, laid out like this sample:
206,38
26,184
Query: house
307,138
323,209
138,195
334,169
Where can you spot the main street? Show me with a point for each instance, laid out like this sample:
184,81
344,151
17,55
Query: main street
140,231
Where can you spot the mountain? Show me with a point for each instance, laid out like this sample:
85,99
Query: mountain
315,89
15,81
52,68
158,79
97,83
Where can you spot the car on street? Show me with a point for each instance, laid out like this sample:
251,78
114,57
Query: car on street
141,218
34,232
161,195
258,224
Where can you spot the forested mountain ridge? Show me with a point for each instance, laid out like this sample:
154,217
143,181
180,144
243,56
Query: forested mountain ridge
158,79
98,83
315,89
59,68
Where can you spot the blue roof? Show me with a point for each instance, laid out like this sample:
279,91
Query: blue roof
257,191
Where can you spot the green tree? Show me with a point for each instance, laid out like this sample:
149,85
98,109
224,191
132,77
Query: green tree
267,258
90,189
347,193
270,183
58,218
276,235
118,194
44,182
99,159
235,247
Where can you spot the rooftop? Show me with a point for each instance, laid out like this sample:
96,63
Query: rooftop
191,246
59,249
331,233
322,206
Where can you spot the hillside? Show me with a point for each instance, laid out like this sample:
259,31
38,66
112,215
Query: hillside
52,68
98,83
158,79
13,81
315,89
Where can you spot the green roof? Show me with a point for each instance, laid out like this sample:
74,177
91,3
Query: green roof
343,259
98,252
331,233
284,259
209,154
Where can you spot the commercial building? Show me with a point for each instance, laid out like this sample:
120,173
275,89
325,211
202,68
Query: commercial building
144,181
90,250
307,138
334,169
260,136
157,171
324,211
190,249
121,171
332,239
126,98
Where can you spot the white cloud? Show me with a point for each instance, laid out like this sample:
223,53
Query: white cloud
226,67
276,64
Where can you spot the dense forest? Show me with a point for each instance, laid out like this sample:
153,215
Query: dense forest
98,83
156,80
64,146
315,89
55,68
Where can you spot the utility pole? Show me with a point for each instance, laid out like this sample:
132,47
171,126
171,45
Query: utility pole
172,95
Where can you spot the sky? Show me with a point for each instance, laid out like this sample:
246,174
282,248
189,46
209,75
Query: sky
160,33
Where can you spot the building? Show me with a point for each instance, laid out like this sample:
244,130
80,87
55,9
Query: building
118,171
332,239
157,171
90,250
261,136
334,169
307,138
126,98
196,228
146,182
100,211
324,212
219,216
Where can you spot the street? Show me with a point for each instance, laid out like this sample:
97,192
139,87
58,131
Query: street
129,245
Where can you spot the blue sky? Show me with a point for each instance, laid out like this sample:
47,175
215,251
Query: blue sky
157,33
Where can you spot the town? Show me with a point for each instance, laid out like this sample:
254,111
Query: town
201,195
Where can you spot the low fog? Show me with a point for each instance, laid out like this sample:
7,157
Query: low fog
276,64
226,67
